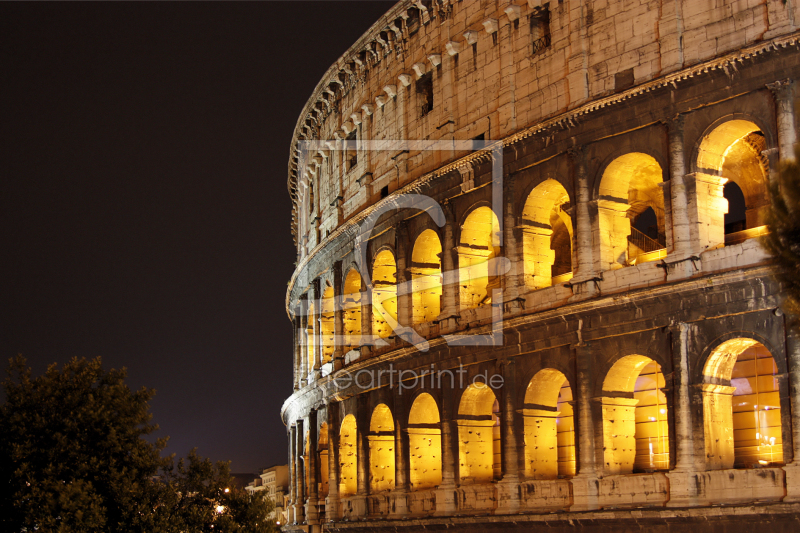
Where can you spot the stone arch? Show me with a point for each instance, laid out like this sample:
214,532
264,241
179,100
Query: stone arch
629,185
351,309
479,447
425,443
549,426
635,417
731,151
384,293
348,457
741,406
322,459
381,449
426,277
327,311
544,219
479,243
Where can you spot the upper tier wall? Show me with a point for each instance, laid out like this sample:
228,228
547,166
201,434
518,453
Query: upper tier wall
495,67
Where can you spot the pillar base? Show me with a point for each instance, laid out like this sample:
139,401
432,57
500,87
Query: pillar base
445,501
507,497
681,267
682,489
312,512
792,472
297,513
448,324
514,307
585,491
399,504
332,508
358,504
584,288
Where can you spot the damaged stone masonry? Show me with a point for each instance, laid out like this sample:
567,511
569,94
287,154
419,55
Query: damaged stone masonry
649,379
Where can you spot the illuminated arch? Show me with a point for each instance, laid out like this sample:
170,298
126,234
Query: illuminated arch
730,158
426,277
741,406
479,243
479,435
549,426
629,186
327,309
348,457
322,459
425,443
384,293
546,235
351,309
381,449
635,425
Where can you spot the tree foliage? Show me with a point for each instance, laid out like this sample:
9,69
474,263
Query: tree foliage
783,241
73,457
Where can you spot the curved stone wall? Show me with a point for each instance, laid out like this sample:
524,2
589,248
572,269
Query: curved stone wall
530,280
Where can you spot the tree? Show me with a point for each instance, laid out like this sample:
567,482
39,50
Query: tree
783,241
73,457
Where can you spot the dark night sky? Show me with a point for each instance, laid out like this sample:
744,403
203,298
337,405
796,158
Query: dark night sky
144,215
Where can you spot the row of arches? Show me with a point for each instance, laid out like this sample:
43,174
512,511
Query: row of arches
741,411
631,226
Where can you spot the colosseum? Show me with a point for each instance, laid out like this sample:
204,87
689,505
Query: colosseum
530,292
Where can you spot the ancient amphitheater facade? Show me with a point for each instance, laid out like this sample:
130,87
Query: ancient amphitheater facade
530,291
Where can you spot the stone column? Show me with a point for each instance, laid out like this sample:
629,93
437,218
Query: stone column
366,316
448,320
446,493
404,317
317,322
291,518
509,485
583,280
359,502
682,485
302,336
585,485
312,512
681,234
338,317
296,352
401,451
299,478
793,469
332,501
783,92
513,296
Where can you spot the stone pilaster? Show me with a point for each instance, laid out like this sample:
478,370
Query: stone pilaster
583,280
299,477
366,316
682,484
682,246
317,322
332,501
296,351
514,279
448,320
302,337
338,317
446,492
292,478
585,485
508,487
793,469
404,299
783,92
401,451
312,512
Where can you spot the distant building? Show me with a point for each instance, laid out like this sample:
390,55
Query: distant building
274,481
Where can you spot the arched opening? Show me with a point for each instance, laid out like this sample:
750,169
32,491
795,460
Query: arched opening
384,293
635,417
322,459
547,236
310,338
478,245
381,449
425,443
326,324
629,187
426,277
733,154
549,427
348,457
479,447
351,309
741,406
